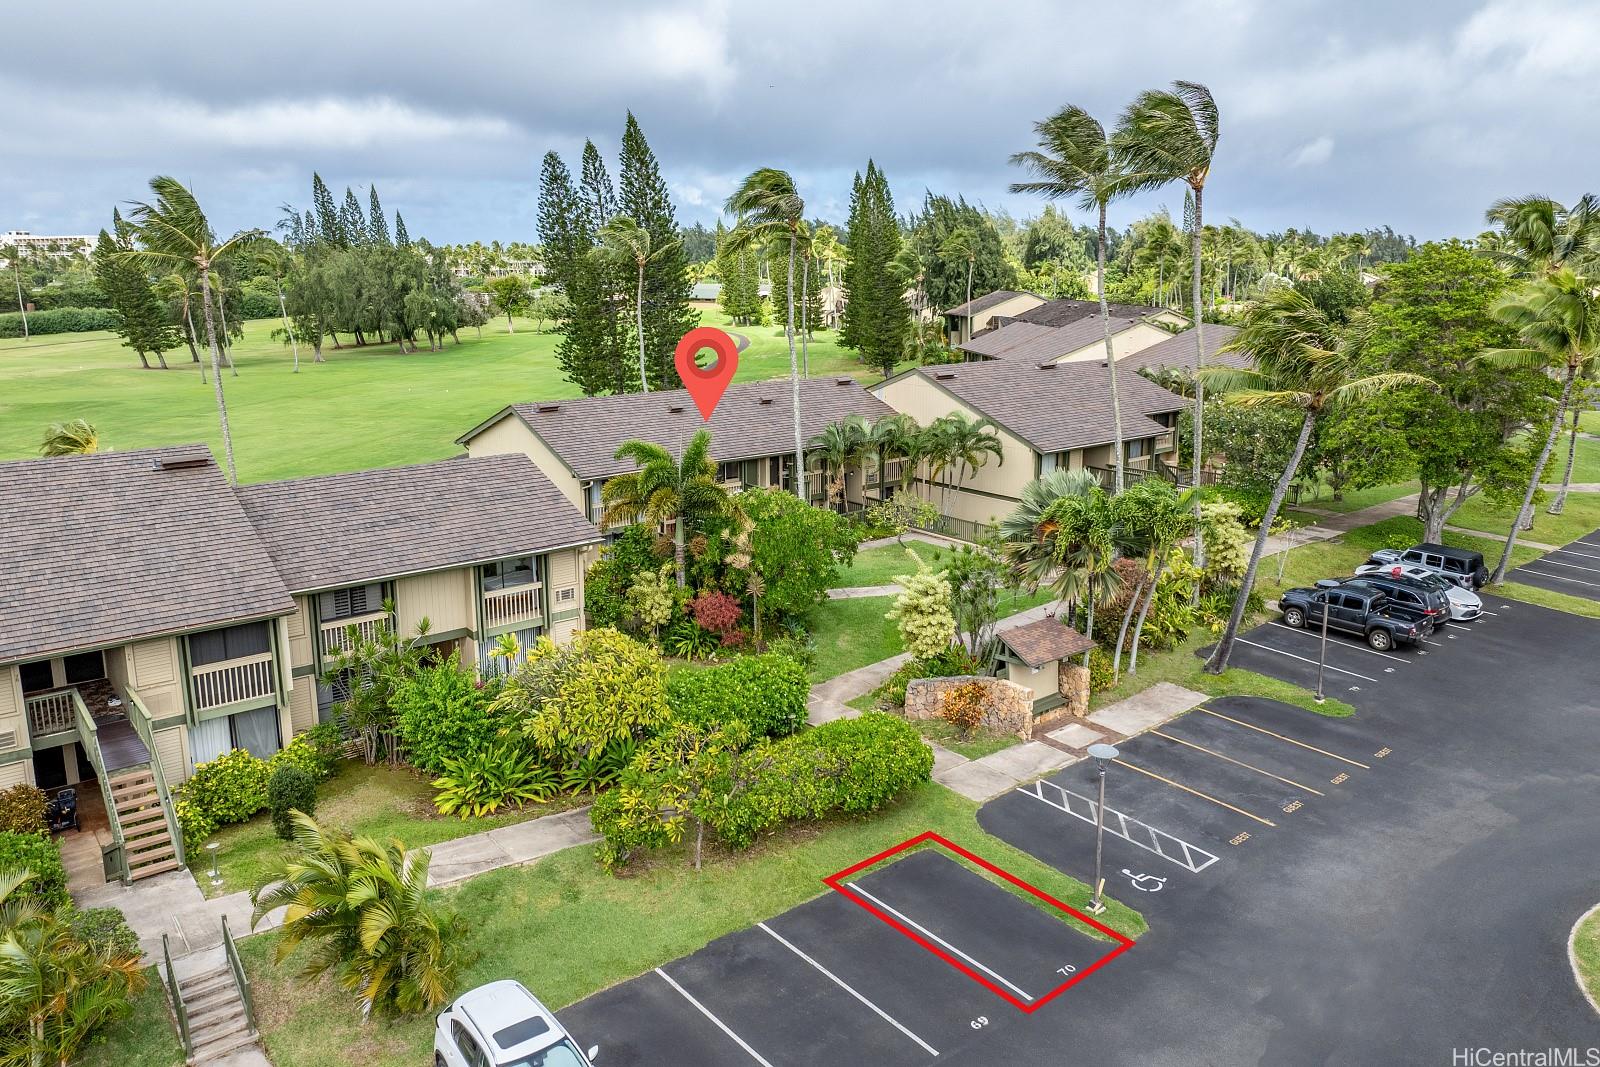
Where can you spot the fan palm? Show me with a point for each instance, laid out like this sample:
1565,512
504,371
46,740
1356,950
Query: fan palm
174,234
1558,319
77,437
841,445
1027,536
1304,362
1075,159
624,241
1171,135
767,204
682,491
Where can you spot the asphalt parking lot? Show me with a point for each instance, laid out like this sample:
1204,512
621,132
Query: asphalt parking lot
1573,569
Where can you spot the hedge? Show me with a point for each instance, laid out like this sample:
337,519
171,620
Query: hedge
767,692
22,810
41,856
233,787
59,320
443,712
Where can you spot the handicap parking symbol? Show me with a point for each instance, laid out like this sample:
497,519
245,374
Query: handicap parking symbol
1145,883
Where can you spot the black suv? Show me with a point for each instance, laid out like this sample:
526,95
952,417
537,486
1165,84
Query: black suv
1411,593
1362,610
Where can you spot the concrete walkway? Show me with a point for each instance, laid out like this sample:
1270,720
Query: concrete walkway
1332,524
853,592
1485,535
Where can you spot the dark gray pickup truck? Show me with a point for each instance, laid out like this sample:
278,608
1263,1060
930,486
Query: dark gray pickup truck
1355,609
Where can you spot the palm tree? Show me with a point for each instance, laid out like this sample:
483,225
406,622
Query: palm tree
890,437
77,437
1558,319
1085,548
1027,535
174,235
364,905
767,204
962,243
272,258
177,287
15,256
623,240
969,444
1304,362
682,491
841,445
1171,135
1170,523
1539,236
1075,159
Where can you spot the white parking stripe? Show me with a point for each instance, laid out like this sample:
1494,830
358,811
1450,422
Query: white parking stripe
1575,552
1302,659
1547,561
1558,577
1316,635
1591,544
930,934
885,1016
684,993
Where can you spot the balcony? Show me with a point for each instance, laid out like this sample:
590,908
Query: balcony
51,713
336,633
232,681
513,604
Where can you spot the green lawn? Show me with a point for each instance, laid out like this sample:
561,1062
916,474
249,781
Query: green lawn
146,1038
1586,946
979,745
1580,516
565,929
880,566
1356,499
853,632
379,801
367,407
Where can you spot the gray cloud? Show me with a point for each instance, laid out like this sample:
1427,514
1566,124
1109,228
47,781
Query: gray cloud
1414,115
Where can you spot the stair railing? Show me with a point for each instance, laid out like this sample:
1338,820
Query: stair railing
139,716
113,857
239,975
175,995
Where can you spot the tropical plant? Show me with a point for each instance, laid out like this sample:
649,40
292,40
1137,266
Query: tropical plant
1075,159
689,640
41,855
840,446
767,205
922,610
22,809
681,491
624,241
963,708
977,575
75,437
964,444
363,906
1027,536
1151,519
1306,363
290,789
962,244
1084,540
174,234
1557,318
653,599
1538,236
481,781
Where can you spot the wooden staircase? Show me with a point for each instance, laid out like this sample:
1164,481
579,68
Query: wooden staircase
218,1021
147,842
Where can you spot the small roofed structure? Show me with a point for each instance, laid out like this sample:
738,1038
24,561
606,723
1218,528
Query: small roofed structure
1038,657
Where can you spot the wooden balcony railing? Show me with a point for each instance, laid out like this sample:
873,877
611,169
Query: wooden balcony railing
517,603
231,680
51,713
336,634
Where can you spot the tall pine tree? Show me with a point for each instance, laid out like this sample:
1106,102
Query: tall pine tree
566,232
144,325
351,221
378,232
667,283
328,226
877,319
740,298
401,238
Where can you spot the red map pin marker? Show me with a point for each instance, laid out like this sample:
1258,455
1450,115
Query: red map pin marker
706,384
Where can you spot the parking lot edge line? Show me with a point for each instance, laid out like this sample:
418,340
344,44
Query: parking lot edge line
1196,792
1281,737
1557,577
720,1025
832,880
996,975
1302,659
1240,762
1354,648
1548,562
842,984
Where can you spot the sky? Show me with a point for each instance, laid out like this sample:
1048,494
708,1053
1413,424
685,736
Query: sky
1415,115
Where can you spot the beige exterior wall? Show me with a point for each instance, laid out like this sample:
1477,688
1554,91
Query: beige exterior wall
303,704
155,670
968,326
172,749
13,721
17,772
1041,683
511,436
1135,338
444,598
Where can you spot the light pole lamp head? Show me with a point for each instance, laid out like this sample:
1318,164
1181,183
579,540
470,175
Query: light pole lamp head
1101,753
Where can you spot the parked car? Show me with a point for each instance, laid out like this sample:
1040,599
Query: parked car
1356,609
1412,592
1458,564
503,1025
1465,605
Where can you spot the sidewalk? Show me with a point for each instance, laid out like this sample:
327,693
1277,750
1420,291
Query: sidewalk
1331,524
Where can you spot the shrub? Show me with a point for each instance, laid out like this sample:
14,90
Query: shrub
767,692
442,712
59,320
1227,541
716,612
800,647
606,586
482,782
953,661
308,753
687,639
922,611
652,598
39,854
1101,674
104,928
290,788
22,810
222,791
963,708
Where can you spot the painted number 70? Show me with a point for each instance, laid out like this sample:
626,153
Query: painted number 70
1066,969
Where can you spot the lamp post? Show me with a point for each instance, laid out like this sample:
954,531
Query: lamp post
216,875
1326,585
1100,754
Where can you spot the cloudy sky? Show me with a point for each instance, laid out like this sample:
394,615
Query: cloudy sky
1365,113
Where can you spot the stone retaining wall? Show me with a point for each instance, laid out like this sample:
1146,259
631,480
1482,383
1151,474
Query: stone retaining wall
1074,689
1007,707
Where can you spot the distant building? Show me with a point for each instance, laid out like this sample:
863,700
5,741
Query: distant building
39,245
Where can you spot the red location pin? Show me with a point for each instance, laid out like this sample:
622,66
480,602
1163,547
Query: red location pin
706,384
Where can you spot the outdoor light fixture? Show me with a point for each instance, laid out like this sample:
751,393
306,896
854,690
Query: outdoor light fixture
1101,754
216,875
1324,584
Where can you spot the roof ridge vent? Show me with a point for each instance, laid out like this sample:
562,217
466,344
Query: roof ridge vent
181,463
674,408
944,375
543,408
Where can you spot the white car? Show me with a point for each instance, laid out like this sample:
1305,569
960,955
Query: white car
503,1025
1465,605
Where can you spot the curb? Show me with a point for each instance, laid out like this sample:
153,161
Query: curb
1572,959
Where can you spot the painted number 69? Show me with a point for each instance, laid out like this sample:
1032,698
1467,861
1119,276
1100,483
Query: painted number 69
980,1022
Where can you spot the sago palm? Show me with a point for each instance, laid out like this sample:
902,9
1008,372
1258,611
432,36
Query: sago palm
1304,362
75,437
1075,159
624,241
684,492
767,204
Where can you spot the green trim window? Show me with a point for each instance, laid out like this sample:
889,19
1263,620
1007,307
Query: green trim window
509,573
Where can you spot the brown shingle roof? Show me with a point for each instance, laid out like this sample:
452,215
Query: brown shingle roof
1065,312
1031,341
342,529
753,420
984,302
1045,641
1178,350
1057,407
109,548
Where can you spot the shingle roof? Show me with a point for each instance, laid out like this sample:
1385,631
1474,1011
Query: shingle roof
1060,406
984,302
1045,641
1066,312
108,548
1178,350
753,420
1031,341
341,529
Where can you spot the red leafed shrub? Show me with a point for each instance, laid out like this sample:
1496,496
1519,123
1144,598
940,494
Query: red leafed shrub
715,611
